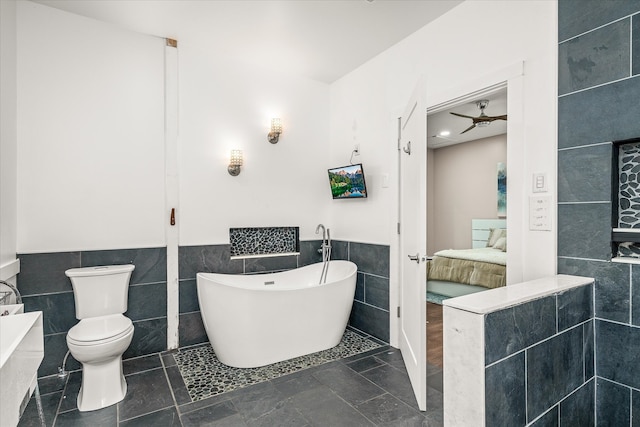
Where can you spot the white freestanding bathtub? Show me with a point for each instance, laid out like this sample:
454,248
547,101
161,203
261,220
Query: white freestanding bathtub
256,320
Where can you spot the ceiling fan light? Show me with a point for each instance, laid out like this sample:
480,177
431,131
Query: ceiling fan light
483,124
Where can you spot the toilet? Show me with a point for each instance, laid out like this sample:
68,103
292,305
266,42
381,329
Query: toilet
103,333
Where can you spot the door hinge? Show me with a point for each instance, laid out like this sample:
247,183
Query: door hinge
398,224
398,311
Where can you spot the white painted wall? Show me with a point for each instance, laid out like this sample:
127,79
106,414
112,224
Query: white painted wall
365,103
446,52
464,187
226,105
8,134
91,134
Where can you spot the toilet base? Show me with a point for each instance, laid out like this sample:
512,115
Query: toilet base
103,385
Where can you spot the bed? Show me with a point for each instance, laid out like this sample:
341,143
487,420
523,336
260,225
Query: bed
457,272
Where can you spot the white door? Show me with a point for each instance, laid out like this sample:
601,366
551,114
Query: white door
413,244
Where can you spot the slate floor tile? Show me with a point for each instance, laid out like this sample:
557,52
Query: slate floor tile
147,392
164,418
386,409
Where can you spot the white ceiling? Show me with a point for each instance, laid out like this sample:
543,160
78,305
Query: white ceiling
319,39
445,121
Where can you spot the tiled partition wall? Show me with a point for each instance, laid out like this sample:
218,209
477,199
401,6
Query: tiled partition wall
44,287
539,365
599,89
521,355
370,312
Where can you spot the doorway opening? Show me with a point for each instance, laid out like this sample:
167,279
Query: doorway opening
466,207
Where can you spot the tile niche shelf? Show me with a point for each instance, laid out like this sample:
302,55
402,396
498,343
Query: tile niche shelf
625,233
264,242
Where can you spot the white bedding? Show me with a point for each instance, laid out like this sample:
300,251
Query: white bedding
490,255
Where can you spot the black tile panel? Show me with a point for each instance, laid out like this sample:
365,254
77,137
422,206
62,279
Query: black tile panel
394,381
589,350
142,363
107,417
309,252
584,230
555,368
166,418
188,290
151,263
549,419
347,384
207,259
635,303
575,306
339,250
371,320
513,329
58,311
147,392
635,406
370,258
578,16
44,273
578,409
601,114
505,403
191,329
377,291
270,264
359,295
618,353
147,301
598,57
611,285
612,404
584,174
149,336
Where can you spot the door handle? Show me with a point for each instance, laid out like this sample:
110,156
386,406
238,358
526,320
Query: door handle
415,258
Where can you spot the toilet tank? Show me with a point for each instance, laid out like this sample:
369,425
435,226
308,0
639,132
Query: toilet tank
102,290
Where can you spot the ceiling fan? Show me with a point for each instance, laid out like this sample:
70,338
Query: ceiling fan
482,120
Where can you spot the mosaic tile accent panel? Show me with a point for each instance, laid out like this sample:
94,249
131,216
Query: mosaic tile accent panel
629,195
264,240
629,187
205,376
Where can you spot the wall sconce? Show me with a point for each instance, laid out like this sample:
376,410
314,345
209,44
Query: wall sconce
235,162
276,130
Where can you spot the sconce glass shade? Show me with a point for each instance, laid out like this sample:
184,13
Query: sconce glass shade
235,162
276,130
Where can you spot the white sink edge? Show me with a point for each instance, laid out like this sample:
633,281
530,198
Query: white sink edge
12,309
14,328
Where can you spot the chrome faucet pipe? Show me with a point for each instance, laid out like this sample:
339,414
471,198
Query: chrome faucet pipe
15,291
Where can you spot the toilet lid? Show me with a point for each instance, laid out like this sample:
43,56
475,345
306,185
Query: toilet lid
100,328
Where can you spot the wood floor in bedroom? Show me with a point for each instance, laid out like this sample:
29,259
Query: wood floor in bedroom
434,334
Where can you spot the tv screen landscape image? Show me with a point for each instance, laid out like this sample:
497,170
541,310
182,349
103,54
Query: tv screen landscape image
347,182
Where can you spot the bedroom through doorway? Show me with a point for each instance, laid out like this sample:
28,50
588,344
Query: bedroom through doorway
466,207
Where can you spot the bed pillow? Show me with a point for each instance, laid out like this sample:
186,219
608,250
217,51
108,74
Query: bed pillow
501,244
494,235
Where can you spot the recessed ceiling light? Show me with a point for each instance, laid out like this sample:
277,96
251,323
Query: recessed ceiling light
444,133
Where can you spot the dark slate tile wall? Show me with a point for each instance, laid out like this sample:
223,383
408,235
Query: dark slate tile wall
539,361
370,312
599,88
45,288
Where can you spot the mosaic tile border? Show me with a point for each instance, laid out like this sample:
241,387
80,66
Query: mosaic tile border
261,241
205,376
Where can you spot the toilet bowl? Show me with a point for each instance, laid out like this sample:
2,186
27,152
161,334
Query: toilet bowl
98,343
103,333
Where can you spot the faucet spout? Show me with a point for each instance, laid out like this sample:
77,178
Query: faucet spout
320,226
13,289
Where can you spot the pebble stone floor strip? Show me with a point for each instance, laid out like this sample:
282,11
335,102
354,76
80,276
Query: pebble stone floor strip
205,376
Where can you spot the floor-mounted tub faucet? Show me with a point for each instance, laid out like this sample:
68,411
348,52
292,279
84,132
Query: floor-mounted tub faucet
326,251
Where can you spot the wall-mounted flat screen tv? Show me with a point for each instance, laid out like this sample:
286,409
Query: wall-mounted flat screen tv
347,182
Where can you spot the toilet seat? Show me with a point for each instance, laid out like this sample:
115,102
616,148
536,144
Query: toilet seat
100,330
